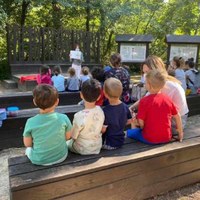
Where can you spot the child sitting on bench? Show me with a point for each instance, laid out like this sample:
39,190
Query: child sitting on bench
117,115
46,133
87,124
155,112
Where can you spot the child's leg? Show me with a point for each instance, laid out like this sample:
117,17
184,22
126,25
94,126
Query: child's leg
107,147
56,162
173,124
70,146
28,152
136,134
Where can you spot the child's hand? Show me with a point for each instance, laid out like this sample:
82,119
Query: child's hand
180,135
133,115
133,108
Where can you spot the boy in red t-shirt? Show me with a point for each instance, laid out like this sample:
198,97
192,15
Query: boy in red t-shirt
154,113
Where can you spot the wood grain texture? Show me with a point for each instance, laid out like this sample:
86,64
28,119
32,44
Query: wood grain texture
86,176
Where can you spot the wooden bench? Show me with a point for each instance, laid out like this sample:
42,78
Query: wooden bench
12,129
193,102
24,100
135,171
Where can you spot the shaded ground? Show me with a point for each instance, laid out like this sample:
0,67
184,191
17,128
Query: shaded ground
187,193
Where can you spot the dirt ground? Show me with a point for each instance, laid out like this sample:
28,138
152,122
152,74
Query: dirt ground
191,192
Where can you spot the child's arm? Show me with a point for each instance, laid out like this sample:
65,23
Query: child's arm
75,131
103,130
179,126
140,123
28,141
68,135
133,107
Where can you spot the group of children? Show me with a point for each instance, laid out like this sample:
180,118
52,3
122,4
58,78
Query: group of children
55,78
48,135
186,73
45,134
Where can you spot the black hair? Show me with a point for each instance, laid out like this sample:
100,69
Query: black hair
57,70
98,73
44,69
91,89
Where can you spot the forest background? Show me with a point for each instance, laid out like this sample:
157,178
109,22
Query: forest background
108,17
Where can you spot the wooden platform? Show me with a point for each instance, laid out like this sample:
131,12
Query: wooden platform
193,102
135,171
24,100
12,128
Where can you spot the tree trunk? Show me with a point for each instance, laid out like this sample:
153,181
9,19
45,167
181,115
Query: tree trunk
108,43
24,12
22,23
87,24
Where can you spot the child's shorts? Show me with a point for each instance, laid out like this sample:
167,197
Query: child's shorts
71,147
28,154
136,134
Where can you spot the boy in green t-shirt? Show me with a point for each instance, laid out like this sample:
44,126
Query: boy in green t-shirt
46,133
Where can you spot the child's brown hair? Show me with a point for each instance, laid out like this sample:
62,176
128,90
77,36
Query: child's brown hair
71,71
45,96
85,70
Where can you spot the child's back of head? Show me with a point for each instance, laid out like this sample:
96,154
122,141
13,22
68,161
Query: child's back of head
45,96
190,63
98,74
113,88
179,62
156,79
115,60
91,90
71,71
85,70
45,69
57,70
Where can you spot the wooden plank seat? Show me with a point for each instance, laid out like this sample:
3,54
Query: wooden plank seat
135,171
193,102
12,129
24,100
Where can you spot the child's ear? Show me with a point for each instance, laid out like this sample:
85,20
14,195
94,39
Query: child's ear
81,95
98,97
57,102
105,94
34,102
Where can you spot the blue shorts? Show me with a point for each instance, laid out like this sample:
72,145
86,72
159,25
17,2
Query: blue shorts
136,134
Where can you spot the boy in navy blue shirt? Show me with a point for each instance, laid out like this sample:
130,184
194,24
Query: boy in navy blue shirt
117,115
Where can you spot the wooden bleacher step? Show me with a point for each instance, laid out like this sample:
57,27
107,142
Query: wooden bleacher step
9,84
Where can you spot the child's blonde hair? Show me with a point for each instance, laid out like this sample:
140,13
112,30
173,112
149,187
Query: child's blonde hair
156,78
113,87
85,70
71,71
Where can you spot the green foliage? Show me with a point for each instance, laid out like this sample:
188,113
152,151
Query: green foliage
109,17
4,70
